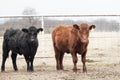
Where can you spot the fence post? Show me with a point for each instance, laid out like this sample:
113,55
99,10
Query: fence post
43,35
42,23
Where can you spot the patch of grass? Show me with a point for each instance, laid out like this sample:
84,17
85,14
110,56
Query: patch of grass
90,61
118,45
101,55
96,49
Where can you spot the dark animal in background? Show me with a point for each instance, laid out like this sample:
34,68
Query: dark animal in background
71,39
20,42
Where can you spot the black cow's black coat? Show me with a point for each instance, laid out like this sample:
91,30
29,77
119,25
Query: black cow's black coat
20,42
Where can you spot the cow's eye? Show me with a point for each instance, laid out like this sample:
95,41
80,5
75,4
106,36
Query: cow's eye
30,33
35,33
81,31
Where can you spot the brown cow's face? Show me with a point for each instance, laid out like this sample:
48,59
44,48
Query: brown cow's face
83,31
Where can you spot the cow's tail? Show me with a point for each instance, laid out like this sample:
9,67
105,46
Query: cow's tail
53,38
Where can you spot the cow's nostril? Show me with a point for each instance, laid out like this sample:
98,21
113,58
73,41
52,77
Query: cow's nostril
84,40
32,39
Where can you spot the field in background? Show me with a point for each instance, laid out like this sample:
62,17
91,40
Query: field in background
103,61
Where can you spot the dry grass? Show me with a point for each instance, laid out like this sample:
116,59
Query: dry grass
103,61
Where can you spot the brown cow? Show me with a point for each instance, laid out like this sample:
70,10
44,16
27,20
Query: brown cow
71,39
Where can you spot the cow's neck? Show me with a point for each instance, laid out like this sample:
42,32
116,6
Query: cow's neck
81,47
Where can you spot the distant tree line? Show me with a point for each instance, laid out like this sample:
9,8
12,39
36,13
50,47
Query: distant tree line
49,24
101,24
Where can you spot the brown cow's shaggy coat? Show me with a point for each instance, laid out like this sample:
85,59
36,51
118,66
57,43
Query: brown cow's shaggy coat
71,39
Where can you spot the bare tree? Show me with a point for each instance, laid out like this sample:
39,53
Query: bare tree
30,11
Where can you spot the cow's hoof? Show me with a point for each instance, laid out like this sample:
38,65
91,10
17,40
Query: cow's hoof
61,68
85,71
74,70
2,69
30,70
16,69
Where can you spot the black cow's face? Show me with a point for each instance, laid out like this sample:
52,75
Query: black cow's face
83,31
32,32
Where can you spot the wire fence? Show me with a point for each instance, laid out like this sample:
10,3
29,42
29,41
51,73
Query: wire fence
48,22
104,23
106,37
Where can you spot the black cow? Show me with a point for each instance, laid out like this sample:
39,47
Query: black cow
20,42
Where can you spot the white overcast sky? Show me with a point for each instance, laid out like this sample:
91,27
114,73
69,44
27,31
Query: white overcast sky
60,7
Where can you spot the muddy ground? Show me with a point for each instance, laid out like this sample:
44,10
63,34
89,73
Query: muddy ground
103,61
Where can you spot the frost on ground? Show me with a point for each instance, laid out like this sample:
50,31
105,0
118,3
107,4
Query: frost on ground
103,61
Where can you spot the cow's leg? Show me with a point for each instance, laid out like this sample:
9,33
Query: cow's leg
14,56
31,64
4,56
33,52
27,61
61,60
83,59
57,55
75,59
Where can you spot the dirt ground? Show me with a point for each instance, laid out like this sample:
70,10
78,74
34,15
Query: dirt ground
103,61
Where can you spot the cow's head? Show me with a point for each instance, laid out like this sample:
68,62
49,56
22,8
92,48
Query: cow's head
83,31
32,32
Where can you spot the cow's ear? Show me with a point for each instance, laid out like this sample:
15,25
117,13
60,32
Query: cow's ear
92,27
39,29
25,30
76,26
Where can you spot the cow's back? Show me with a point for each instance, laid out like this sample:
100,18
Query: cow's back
61,36
9,33
13,35
14,39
